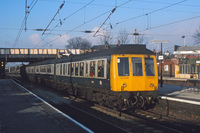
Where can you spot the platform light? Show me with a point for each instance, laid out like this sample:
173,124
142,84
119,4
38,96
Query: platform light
161,42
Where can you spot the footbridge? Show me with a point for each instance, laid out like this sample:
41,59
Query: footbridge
31,55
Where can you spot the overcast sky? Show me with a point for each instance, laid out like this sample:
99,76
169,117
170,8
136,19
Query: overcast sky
155,19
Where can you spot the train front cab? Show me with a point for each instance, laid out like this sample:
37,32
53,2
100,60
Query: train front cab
134,75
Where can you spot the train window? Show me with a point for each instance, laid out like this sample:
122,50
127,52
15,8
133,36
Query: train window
28,70
86,68
60,69
37,69
72,69
101,68
49,69
76,69
43,69
81,69
149,67
66,73
69,69
137,66
123,66
92,68
63,69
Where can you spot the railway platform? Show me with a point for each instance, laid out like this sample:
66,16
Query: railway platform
180,99
21,111
181,92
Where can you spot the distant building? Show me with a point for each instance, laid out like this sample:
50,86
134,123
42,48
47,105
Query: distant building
168,67
189,61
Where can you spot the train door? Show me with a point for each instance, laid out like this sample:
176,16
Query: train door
137,77
151,75
120,73
123,76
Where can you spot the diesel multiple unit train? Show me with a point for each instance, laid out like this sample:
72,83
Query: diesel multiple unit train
121,77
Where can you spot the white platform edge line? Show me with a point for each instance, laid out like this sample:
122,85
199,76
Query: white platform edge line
76,122
180,100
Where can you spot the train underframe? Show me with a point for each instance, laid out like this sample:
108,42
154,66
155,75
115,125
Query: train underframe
125,100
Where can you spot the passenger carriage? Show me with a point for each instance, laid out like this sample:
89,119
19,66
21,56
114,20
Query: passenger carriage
121,77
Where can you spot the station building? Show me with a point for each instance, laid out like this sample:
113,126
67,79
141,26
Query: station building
189,61
185,63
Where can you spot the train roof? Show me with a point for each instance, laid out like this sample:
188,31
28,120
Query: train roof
123,49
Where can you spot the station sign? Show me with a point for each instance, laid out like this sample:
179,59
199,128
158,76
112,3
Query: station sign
197,62
161,57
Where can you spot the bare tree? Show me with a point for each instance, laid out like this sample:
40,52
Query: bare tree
105,38
78,43
141,39
123,37
196,36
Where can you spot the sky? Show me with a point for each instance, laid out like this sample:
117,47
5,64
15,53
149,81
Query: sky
154,20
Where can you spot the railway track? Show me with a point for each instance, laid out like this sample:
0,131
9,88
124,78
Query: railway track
173,123
139,121
153,120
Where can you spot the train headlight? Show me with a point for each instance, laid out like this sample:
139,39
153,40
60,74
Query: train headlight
124,85
151,85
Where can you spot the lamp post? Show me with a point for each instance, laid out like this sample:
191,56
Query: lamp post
160,58
136,34
184,39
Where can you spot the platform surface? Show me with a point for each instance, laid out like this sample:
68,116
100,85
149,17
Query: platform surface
182,92
21,112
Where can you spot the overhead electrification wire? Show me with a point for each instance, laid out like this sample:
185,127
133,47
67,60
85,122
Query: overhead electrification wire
54,16
19,33
98,16
91,20
33,5
172,23
64,21
22,26
82,25
151,12
72,14
78,10
105,21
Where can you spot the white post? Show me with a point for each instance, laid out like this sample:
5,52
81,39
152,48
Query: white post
184,41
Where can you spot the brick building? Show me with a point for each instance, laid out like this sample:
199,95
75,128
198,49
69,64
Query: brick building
168,67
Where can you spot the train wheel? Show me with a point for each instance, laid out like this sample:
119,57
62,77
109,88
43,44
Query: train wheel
75,92
141,102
